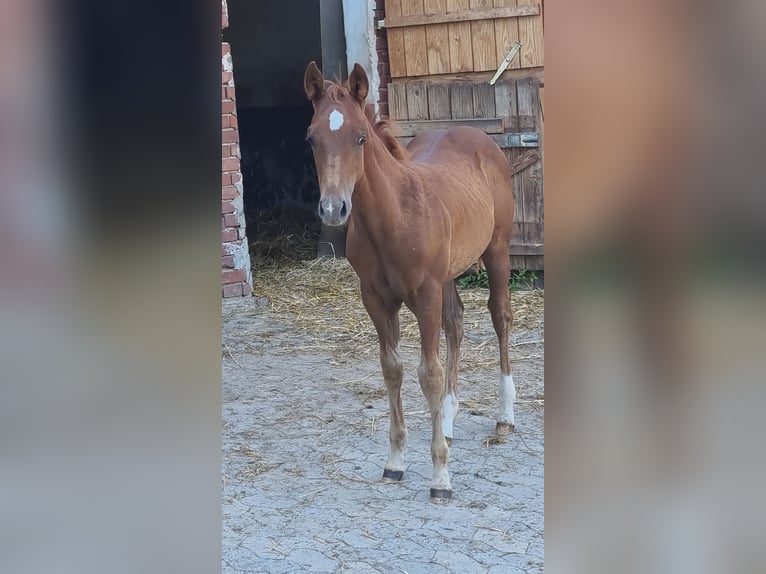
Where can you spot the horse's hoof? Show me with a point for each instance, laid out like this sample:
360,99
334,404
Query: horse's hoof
502,429
449,440
440,495
392,475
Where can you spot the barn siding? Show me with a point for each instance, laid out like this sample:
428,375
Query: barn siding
237,278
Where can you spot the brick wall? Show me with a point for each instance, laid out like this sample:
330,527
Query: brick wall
237,278
381,46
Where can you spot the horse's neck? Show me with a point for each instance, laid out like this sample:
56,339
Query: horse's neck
378,194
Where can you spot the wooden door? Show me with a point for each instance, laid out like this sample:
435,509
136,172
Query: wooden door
442,55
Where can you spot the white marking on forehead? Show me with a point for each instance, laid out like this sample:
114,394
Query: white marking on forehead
336,120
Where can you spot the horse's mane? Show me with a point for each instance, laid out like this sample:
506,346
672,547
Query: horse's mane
334,91
383,129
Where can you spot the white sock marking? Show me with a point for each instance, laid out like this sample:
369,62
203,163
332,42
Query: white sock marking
507,398
449,411
336,120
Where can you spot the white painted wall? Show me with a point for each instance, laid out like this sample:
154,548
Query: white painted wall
359,25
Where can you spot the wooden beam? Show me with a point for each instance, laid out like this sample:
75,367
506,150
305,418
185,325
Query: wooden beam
462,16
537,73
526,159
487,125
503,140
520,248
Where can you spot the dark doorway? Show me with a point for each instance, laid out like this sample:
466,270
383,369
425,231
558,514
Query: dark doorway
271,43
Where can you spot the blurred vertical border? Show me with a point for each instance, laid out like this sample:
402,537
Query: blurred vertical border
654,286
111,290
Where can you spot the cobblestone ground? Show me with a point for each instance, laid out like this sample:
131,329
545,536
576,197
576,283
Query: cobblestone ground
305,437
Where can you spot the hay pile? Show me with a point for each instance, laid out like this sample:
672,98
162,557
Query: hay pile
324,298
286,234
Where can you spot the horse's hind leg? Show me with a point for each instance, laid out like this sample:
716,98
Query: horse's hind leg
452,321
385,316
427,309
499,270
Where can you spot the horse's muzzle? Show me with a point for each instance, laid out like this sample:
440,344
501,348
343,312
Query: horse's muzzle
334,211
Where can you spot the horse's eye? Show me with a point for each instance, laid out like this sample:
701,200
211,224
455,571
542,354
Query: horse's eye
362,139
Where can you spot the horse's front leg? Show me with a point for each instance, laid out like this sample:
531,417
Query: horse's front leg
428,310
384,312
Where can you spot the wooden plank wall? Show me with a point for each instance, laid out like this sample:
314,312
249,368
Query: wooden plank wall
462,46
517,104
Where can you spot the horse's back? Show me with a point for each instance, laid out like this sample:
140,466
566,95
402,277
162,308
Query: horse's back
466,153
470,174
461,143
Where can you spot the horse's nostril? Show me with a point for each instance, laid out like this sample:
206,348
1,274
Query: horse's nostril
343,210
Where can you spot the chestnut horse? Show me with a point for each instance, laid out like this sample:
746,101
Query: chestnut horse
417,219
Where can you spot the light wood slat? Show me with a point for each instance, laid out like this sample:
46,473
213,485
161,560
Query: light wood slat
506,33
461,101
397,101
460,50
483,39
417,101
396,59
439,101
415,46
531,38
410,128
461,15
437,39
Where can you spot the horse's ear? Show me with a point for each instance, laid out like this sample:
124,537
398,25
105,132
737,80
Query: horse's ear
313,82
358,84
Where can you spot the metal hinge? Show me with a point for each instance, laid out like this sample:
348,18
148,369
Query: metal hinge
380,24
527,139
506,62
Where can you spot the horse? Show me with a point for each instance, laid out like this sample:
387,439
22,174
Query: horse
418,217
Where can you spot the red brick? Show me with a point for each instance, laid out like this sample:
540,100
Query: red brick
234,151
246,290
227,207
228,235
225,123
228,261
230,93
229,136
228,107
233,121
225,48
232,290
225,179
226,77
236,177
229,192
234,276
231,220
230,164
223,92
